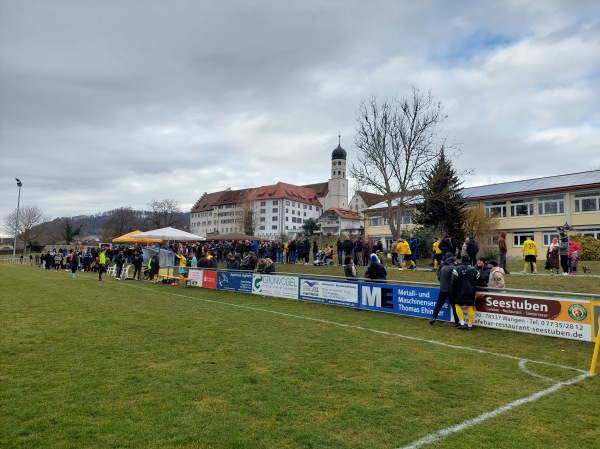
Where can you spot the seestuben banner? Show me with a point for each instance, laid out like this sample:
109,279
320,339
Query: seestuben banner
535,315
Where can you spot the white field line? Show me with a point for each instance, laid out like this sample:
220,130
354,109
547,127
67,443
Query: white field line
441,434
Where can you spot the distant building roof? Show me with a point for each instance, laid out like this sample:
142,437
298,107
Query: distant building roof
534,186
345,213
291,192
370,198
322,188
207,201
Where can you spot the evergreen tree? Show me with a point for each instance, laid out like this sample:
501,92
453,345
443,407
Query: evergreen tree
443,204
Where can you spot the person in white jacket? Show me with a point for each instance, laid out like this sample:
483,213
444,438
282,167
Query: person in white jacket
496,279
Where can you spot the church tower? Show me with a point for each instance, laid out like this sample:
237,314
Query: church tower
337,195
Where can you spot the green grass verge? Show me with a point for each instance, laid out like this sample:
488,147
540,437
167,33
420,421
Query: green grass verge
88,364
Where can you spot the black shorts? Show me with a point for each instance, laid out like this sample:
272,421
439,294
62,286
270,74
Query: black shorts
530,258
438,256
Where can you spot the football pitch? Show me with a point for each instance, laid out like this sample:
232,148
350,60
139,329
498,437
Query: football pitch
88,364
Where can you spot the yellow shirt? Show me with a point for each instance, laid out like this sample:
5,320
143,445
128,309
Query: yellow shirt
529,248
436,247
400,248
407,250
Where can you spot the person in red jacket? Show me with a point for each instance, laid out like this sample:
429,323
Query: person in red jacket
573,248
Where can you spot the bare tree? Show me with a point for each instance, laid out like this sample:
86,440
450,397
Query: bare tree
164,213
121,221
399,141
249,217
30,217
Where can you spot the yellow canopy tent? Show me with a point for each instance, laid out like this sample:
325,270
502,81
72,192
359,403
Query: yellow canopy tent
128,238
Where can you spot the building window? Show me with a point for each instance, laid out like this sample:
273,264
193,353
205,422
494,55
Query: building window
496,210
287,203
262,219
262,211
275,202
310,207
262,228
521,208
274,227
305,214
548,236
293,204
293,212
375,220
587,202
592,232
407,217
275,210
305,206
518,239
274,219
551,205
263,203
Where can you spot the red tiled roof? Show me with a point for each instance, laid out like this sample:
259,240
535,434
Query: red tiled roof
345,213
291,192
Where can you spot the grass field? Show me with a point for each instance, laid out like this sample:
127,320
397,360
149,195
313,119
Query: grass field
88,364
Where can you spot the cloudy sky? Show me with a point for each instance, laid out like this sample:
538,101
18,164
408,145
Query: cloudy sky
114,103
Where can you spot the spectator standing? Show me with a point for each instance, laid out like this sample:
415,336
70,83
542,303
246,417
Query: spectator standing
154,267
138,259
502,250
463,284
563,252
339,246
530,255
472,250
348,247
446,247
395,254
573,248
413,243
366,253
358,250
74,263
119,260
552,257
444,274
315,250
101,263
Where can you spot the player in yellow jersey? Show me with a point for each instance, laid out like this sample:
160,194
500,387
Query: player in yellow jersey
408,256
530,254
400,251
437,253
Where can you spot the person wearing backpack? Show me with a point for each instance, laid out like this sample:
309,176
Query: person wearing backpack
463,285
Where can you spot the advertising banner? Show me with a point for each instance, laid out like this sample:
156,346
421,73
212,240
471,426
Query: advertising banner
209,279
535,315
195,277
237,281
330,292
403,300
275,285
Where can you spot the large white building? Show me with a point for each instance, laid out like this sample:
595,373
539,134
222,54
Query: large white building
278,209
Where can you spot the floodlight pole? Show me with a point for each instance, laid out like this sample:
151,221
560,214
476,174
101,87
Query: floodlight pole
19,183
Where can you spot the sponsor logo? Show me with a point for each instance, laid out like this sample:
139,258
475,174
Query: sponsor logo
577,312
